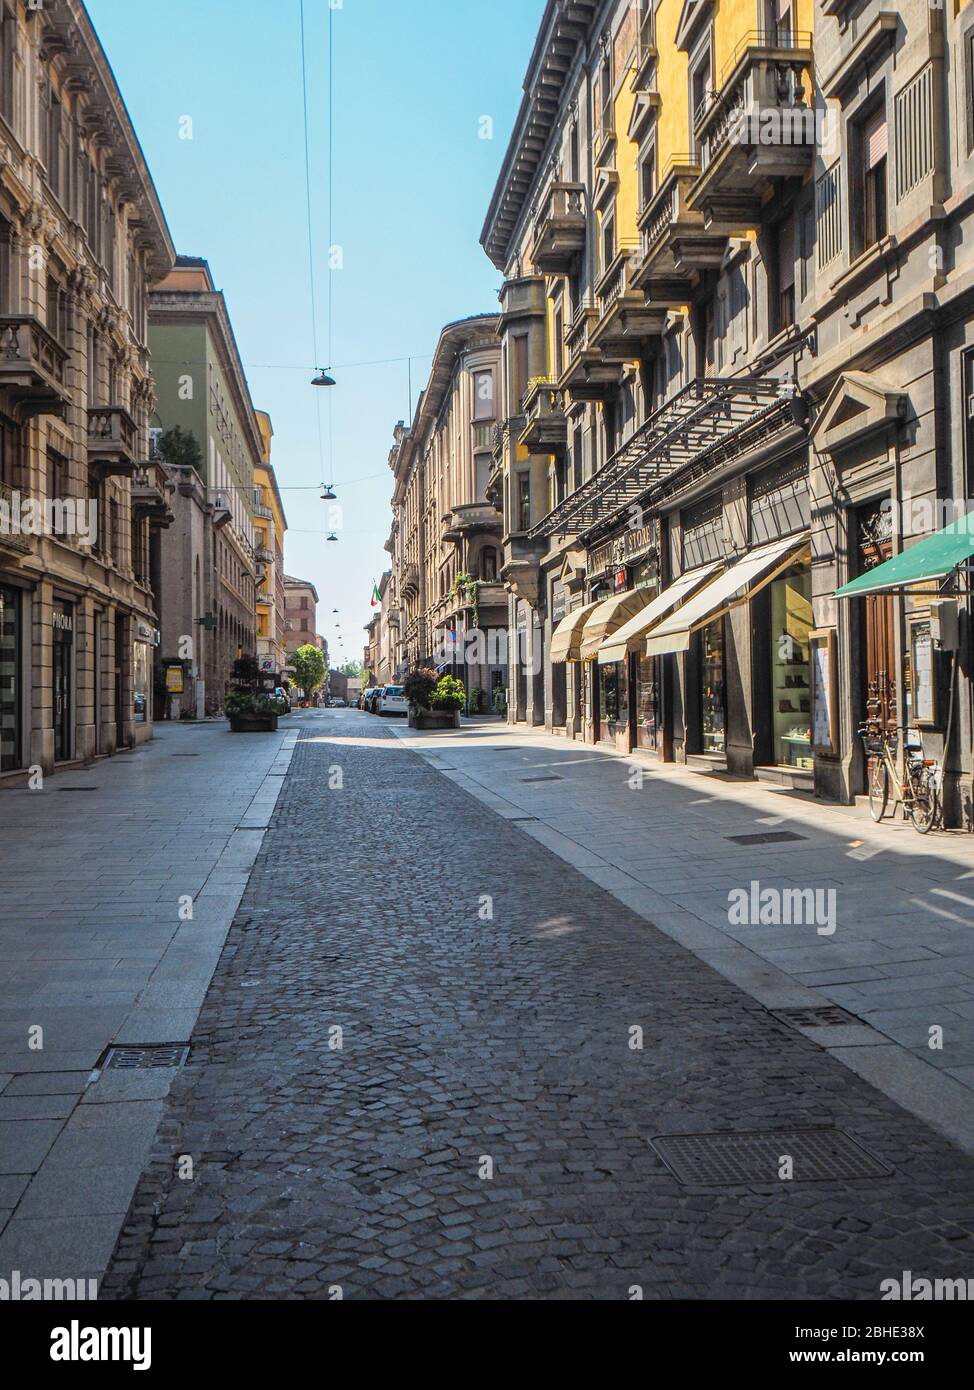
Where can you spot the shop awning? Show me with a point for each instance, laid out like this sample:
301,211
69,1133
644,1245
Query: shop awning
607,617
933,558
630,636
567,636
737,584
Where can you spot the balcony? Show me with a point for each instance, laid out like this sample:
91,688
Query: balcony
475,518
626,322
546,426
587,376
264,555
32,368
11,540
759,127
265,513
410,581
675,245
151,493
113,442
560,229
523,298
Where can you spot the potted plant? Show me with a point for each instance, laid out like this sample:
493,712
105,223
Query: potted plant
433,700
475,700
500,701
249,709
250,712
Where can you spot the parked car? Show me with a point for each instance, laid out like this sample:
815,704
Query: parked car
392,700
373,705
340,703
366,701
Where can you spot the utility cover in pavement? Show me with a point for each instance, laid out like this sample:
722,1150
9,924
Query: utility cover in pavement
542,779
754,1157
142,1058
825,1016
767,837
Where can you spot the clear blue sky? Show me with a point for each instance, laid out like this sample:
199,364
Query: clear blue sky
412,181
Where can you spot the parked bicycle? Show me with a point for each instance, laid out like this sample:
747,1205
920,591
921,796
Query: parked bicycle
918,794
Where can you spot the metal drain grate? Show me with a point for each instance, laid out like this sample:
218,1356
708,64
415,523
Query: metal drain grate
143,1058
767,837
77,789
729,1160
543,779
822,1016
185,755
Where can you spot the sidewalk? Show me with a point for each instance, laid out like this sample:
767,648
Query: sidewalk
94,951
899,964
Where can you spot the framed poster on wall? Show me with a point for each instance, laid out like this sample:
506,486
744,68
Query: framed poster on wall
923,673
825,737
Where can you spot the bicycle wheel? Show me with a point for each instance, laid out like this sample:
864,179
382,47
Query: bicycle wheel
925,806
878,788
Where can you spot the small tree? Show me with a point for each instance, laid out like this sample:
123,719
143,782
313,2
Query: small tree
180,449
419,686
309,669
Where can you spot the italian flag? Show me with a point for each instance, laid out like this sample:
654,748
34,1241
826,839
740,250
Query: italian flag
376,596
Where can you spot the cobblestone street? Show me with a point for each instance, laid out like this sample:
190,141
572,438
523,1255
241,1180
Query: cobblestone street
484,1129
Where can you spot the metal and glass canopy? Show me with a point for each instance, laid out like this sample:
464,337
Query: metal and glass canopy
701,417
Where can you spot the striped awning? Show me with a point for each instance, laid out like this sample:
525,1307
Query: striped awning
567,636
737,584
607,617
629,637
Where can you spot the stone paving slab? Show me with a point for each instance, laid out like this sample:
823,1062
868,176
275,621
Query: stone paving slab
484,1130
904,903
92,949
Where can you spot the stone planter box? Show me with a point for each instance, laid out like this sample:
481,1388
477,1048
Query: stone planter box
253,723
434,719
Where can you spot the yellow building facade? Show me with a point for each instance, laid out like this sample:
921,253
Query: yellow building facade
270,525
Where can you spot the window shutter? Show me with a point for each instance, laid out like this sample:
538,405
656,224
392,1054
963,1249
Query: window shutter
786,254
875,139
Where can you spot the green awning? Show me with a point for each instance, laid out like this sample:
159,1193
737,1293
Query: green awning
935,557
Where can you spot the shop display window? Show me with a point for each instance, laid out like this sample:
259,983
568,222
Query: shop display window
713,732
791,624
141,681
10,676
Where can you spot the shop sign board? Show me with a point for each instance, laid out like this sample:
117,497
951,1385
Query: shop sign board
621,549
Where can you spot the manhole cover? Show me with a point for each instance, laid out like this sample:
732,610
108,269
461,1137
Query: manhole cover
543,779
767,837
142,1058
825,1016
727,1160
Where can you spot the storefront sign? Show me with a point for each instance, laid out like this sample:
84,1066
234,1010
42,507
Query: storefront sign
62,620
621,581
623,548
559,601
145,633
175,680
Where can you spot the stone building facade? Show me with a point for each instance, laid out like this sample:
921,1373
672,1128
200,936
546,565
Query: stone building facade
448,604
737,368
301,614
207,562
82,235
